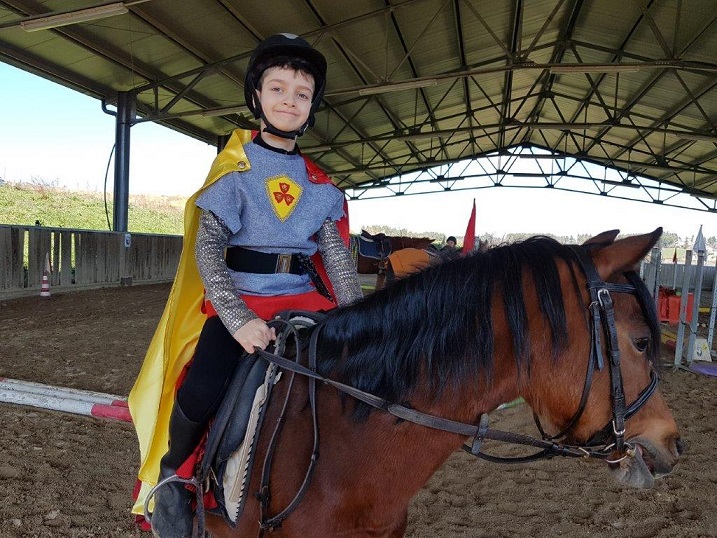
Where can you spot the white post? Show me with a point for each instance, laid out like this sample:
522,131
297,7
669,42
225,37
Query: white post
711,333
657,258
683,308
700,248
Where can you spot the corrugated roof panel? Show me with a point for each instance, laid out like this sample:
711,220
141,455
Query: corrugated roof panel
162,46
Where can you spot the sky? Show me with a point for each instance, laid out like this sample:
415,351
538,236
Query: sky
53,135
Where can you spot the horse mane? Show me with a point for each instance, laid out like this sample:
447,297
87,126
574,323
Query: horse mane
433,320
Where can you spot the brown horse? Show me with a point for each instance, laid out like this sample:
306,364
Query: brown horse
454,341
379,246
410,260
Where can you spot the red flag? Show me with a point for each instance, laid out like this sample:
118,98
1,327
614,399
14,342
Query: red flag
469,239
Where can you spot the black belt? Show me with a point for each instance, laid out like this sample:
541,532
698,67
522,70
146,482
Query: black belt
251,261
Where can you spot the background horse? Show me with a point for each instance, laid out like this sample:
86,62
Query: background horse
409,260
368,250
455,341
405,262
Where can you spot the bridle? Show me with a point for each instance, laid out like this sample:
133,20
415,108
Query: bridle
608,443
602,315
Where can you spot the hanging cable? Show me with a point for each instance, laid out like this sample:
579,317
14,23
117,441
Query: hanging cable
107,171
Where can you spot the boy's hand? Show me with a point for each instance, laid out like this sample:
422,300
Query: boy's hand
254,333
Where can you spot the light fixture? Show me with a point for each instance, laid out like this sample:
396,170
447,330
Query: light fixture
595,68
73,17
400,86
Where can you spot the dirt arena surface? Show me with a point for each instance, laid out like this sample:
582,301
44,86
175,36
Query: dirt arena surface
65,475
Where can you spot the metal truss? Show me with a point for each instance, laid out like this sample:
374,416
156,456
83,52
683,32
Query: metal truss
529,167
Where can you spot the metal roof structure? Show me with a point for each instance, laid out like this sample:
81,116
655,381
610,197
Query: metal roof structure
417,86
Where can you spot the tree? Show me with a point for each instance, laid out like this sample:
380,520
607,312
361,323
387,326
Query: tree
670,239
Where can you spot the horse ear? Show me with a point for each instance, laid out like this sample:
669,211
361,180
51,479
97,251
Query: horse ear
625,254
603,239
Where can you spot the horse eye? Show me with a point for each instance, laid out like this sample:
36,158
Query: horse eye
641,344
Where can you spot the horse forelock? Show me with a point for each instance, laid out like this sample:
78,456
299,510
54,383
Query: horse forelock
649,313
438,322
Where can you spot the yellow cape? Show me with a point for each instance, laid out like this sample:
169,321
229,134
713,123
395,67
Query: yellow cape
152,397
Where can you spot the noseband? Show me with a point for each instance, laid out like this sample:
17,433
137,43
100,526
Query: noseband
606,442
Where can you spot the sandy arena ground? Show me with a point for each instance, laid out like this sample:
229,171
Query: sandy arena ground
65,475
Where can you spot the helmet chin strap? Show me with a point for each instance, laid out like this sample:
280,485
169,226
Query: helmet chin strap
290,135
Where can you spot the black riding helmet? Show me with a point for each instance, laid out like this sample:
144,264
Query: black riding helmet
279,50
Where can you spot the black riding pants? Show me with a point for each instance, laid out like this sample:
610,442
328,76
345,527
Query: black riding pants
215,358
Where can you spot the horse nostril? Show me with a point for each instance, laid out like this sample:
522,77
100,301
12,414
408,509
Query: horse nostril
680,446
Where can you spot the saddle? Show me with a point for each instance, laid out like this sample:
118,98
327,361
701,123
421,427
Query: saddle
229,450
376,246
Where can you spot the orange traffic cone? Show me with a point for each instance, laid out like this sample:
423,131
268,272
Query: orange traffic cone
45,288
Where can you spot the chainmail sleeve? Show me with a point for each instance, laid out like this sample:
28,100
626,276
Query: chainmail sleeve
212,237
339,265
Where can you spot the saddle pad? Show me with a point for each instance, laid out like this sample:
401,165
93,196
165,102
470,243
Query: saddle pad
234,427
235,393
236,471
370,248
239,422
408,260
240,412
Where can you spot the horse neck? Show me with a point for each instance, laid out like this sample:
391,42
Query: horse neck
405,454
397,458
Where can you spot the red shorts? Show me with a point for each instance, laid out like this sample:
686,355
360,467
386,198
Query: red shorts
266,307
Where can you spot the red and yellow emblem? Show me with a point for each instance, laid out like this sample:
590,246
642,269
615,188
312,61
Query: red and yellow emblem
284,194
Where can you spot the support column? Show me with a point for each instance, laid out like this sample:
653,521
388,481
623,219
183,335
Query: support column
126,113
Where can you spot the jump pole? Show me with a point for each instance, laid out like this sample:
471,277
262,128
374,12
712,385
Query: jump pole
68,400
65,392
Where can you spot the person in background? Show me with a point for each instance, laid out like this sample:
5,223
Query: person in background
269,223
450,250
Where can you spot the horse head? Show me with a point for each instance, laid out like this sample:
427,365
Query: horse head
621,369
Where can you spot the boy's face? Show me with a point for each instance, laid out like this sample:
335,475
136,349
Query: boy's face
285,97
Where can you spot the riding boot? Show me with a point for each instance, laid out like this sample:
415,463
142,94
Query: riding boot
173,516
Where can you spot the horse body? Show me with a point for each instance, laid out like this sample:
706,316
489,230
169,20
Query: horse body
456,341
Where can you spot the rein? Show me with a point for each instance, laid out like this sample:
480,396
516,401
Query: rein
264,495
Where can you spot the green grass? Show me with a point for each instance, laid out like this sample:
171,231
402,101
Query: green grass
60,208
23,204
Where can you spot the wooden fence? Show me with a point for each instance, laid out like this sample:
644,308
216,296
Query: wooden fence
85,259
82,259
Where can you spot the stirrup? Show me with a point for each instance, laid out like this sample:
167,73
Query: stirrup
152,492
